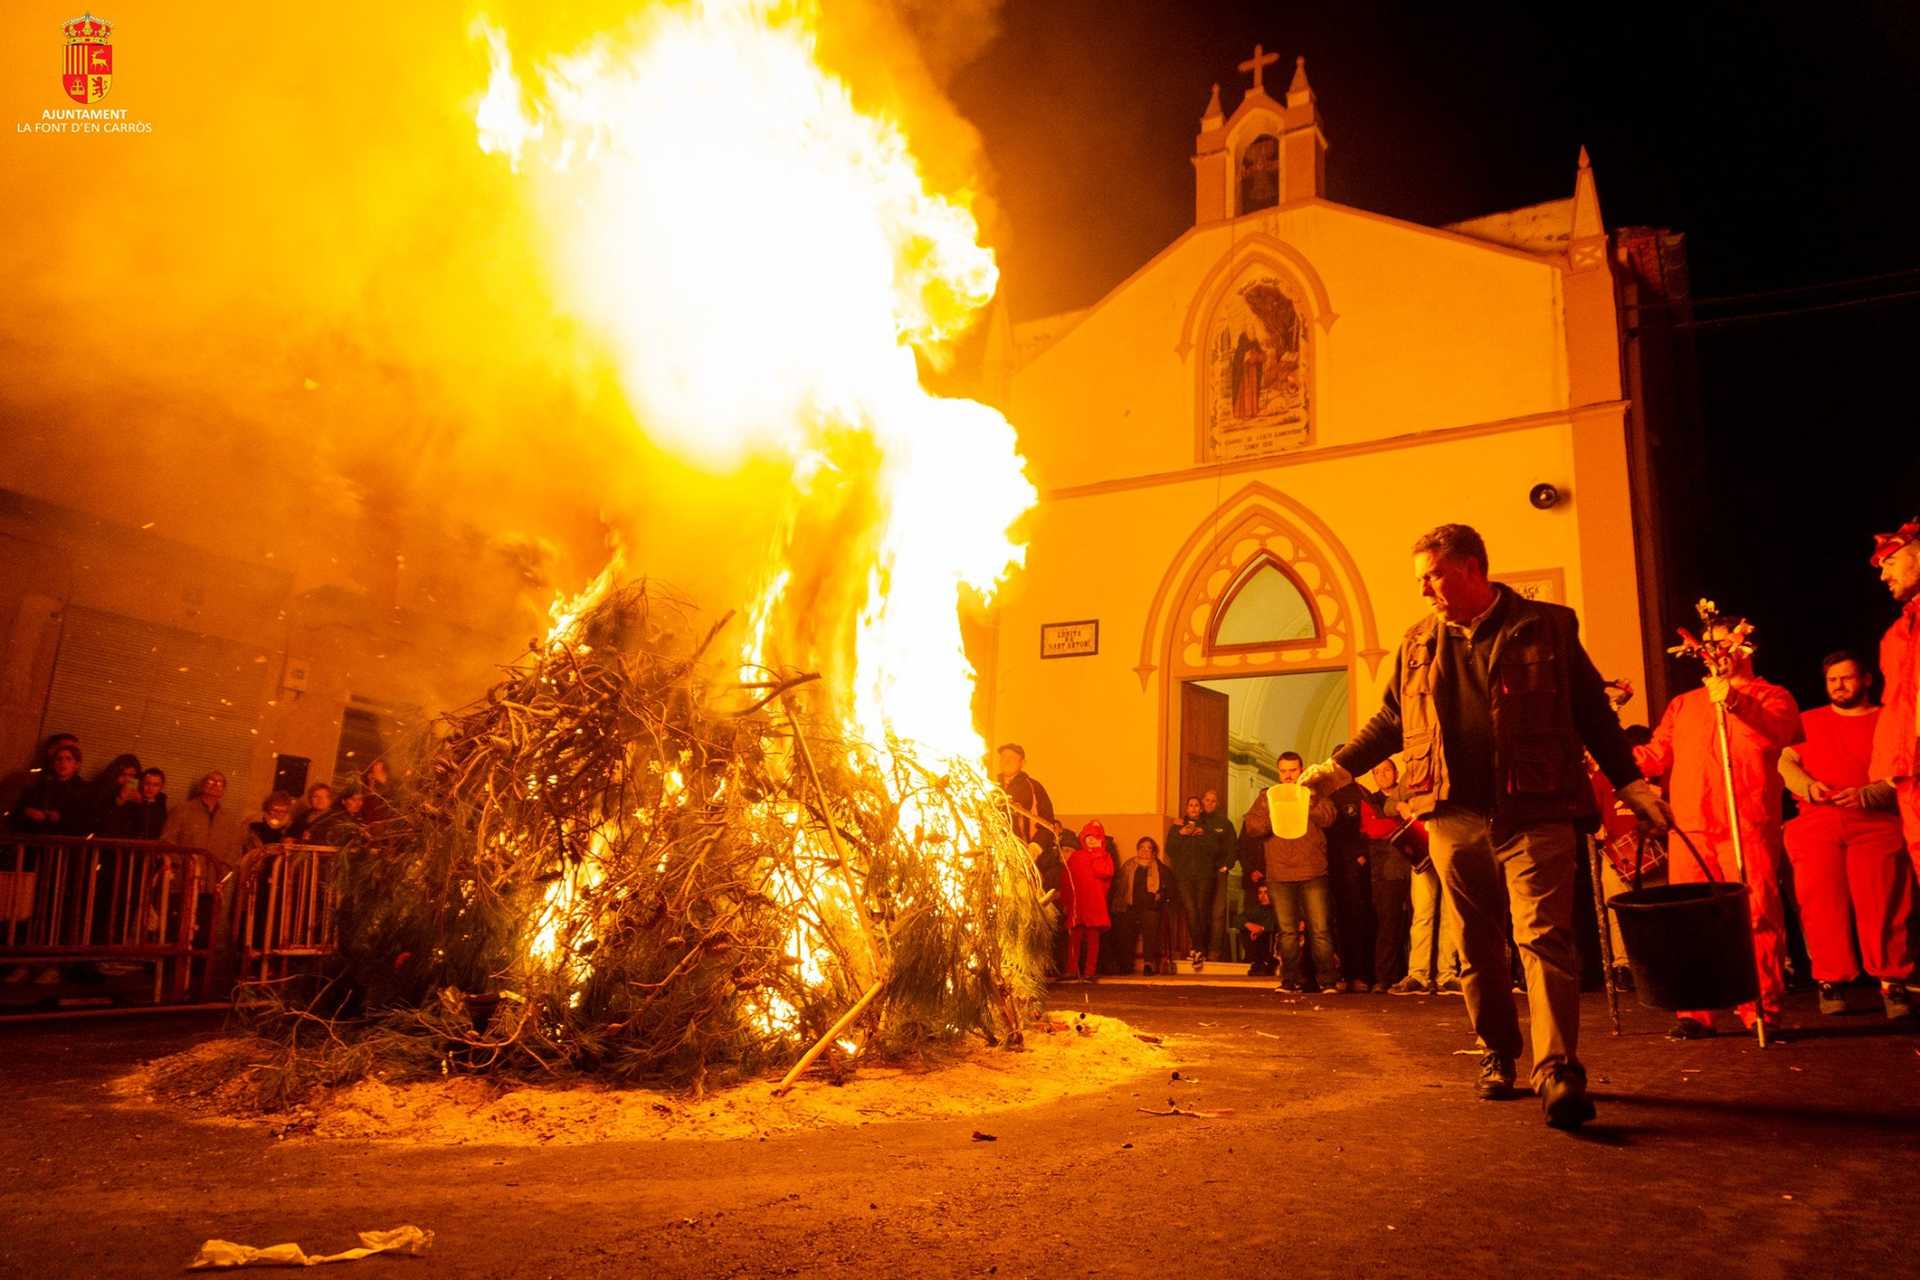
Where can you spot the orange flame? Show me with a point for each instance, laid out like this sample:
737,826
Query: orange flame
766,264
764,261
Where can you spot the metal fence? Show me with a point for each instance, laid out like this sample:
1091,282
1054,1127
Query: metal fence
285,919
70,904
64,900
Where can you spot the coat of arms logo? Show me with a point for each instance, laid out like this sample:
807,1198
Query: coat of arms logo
89,72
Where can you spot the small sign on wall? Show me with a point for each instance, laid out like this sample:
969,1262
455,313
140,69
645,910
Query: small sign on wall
1070,639
1548,585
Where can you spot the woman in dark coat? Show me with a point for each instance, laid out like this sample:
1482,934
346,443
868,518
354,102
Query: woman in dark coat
1145,890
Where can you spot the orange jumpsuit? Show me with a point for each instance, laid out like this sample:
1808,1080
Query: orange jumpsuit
1762,720
1850,866
1894,737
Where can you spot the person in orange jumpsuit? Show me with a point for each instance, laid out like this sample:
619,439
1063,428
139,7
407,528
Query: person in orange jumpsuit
1762,720
1896,738
1850,865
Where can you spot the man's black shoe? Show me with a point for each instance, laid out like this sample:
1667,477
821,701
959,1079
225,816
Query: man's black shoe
1691,1029
1563,1097
1496,1077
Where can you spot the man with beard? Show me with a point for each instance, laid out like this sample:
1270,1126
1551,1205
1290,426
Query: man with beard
1850,864
1897,556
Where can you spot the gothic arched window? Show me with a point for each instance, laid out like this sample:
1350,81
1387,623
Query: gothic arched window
1266,607
1260,174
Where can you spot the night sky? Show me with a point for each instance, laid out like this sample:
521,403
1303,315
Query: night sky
1778,139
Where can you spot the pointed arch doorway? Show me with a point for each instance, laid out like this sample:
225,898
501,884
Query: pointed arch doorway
1256,636
1233,728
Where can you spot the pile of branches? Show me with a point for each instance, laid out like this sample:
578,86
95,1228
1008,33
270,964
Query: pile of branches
628,860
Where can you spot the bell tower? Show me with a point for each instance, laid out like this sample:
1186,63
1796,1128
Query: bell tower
1267,154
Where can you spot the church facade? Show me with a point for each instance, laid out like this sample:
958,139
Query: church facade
1237,445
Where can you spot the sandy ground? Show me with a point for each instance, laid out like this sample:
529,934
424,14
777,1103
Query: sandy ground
1065,1057
1341,1138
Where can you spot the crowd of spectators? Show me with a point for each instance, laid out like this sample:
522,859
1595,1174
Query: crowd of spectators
125,801
1342,898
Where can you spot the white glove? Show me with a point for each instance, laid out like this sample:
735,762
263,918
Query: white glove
1325,778
1646,804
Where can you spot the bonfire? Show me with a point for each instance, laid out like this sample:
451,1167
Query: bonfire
660,846
623,861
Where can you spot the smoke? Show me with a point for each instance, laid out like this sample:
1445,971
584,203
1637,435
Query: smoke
900,58
305,316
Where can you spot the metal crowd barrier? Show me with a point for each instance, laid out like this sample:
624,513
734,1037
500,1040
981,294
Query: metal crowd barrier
67,901
287,913
64,899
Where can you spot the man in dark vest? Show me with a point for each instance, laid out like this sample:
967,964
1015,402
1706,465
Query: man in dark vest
1493,701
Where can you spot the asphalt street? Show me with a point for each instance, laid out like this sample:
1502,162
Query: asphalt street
1342,1138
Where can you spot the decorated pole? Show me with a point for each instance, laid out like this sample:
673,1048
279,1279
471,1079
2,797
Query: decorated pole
1733,822
1606,935
1619,694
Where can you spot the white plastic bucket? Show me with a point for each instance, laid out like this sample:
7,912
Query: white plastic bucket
1287,805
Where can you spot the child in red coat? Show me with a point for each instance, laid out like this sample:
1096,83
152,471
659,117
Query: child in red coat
1089,873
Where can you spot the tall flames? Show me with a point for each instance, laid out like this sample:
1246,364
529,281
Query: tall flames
768,267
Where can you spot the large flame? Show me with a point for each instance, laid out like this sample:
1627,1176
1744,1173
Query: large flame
765,261
768,267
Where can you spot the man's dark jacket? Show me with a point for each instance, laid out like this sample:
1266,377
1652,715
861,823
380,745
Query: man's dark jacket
1546,702
1221,828
1026,792
1197,856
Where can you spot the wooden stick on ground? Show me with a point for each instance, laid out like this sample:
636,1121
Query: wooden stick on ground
833,1033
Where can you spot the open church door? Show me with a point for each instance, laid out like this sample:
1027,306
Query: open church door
1203,742
1203,766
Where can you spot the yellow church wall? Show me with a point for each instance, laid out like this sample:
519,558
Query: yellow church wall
1429,331
1106,746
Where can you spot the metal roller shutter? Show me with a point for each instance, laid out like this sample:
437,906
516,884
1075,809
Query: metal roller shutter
185,702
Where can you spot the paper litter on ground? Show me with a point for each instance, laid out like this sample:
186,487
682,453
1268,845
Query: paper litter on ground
225,1253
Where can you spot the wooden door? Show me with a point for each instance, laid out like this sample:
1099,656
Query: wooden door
1203,742
1203,766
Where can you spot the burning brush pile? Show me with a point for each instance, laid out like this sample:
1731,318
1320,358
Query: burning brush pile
652,849
618,861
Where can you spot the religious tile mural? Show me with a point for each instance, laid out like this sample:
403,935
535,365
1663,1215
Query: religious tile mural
1257,372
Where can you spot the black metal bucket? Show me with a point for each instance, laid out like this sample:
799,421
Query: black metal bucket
1690,945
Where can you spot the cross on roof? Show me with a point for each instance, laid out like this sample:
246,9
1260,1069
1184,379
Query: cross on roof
1259,62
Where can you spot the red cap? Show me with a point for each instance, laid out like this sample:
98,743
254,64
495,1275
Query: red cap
1885,544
